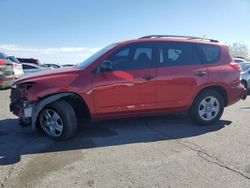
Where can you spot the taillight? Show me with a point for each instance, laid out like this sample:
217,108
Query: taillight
235,66
2,64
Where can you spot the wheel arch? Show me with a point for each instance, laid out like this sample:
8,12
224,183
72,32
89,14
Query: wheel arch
72,98
220,89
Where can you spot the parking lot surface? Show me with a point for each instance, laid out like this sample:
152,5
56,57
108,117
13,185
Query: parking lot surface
164,152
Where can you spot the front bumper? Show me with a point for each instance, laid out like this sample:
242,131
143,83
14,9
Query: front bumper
22,112
19,105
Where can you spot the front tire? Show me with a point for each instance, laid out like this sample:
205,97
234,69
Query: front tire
207,108
58,120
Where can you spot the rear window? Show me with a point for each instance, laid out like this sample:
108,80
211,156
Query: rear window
14,59
210,53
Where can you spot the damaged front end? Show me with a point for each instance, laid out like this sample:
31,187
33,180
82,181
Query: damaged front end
25,103
20,105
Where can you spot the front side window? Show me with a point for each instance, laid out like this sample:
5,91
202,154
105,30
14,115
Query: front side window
132,57
175,54
120,60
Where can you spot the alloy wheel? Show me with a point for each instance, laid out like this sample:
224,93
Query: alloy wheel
51,122
209,108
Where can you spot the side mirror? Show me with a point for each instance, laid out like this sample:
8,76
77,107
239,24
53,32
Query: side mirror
106,66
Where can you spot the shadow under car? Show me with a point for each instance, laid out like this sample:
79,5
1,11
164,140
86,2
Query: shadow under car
16,141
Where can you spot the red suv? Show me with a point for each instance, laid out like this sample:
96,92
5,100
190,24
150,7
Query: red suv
153,75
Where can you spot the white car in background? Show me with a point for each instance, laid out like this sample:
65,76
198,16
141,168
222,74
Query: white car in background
245,75
17,66
245,72
9,71
29,68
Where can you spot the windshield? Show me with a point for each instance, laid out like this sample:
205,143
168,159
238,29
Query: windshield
14,59
97,55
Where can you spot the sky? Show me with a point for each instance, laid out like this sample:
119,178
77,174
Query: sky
68,31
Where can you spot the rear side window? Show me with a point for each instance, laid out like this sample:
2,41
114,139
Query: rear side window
210,53
175,54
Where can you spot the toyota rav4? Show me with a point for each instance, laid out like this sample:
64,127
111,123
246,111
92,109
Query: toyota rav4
153,75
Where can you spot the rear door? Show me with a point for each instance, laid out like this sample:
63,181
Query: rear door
179,74
217,64
130,87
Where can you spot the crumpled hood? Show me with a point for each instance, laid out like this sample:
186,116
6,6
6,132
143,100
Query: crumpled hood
43,74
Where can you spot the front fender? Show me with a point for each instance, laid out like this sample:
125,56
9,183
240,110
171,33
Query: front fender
41,104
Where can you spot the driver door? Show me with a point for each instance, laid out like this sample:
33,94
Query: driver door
130,86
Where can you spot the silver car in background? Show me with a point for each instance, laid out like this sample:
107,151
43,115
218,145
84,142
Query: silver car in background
51,66
29,68
245,75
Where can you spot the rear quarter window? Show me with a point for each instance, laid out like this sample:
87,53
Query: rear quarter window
210,53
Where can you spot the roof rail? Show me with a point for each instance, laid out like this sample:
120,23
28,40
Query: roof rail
178,36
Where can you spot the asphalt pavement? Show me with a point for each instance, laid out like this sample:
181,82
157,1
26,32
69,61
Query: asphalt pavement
167,151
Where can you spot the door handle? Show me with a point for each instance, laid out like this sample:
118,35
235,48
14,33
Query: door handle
201,73
148,77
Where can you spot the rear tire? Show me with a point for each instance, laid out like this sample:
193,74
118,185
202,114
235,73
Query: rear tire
207,108
58,120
